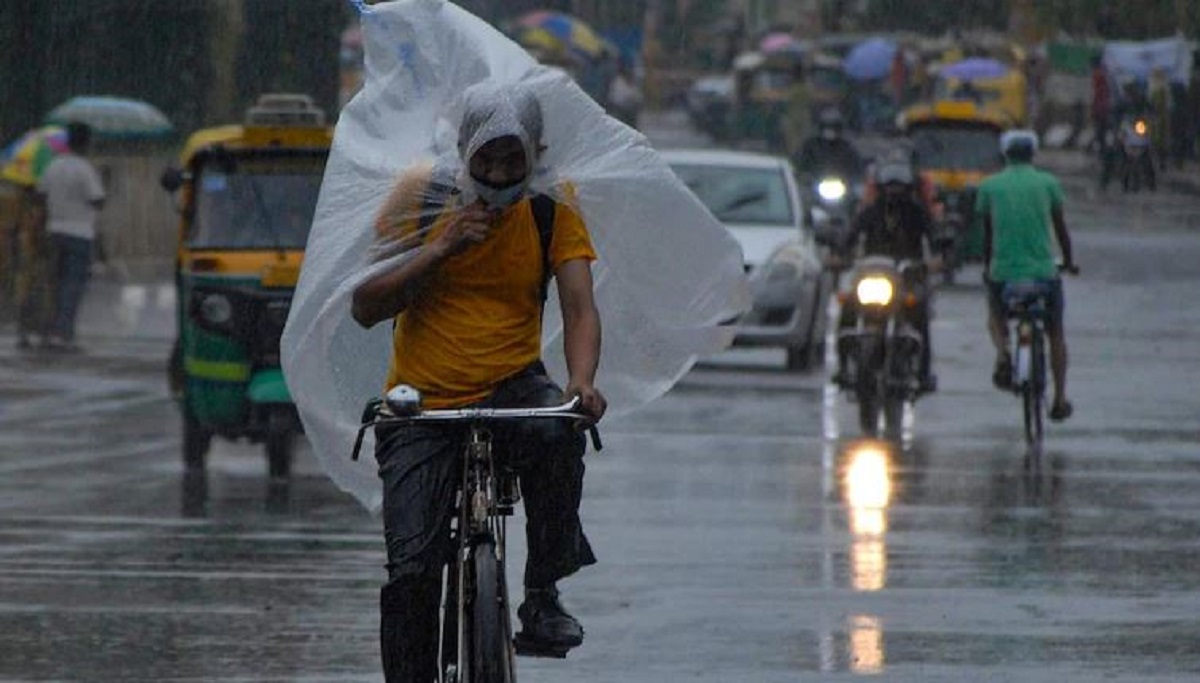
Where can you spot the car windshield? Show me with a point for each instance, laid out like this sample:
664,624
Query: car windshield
256,203
962,149
740,195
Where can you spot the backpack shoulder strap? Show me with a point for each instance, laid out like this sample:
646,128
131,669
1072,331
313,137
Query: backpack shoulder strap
544,208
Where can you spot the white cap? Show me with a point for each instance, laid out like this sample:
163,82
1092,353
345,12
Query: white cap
1018,136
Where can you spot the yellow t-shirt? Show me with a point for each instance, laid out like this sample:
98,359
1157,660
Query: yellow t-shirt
479,318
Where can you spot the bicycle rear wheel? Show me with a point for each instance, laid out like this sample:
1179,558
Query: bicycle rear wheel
1034,392
491,646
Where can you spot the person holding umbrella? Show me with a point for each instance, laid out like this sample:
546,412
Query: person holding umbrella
31,282
72,195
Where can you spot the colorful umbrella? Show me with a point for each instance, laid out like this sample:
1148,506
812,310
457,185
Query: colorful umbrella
568,30
974,68
870,60
113,117
24,161
773,43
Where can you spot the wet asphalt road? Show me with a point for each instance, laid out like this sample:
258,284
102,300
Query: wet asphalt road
745,533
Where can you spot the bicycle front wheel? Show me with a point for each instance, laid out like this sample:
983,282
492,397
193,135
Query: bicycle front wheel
491,646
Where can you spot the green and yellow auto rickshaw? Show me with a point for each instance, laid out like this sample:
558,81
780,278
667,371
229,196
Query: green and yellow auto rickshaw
957,145
246,196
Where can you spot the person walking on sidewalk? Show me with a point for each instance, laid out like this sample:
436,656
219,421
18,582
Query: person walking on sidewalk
73,196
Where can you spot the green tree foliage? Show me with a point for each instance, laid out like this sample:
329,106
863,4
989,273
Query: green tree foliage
926,17
1122,20
160,52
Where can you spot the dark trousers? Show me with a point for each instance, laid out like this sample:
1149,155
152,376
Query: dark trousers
420,468
72,266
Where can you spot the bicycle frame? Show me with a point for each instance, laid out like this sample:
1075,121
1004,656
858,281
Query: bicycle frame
485,496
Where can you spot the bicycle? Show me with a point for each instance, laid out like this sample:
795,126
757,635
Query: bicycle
476,643
1028,304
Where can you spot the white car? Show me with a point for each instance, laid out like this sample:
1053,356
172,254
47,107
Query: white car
757,198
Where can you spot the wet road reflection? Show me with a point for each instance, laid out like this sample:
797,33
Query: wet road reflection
745,532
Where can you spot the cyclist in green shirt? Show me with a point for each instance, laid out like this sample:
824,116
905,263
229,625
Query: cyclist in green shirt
1020,205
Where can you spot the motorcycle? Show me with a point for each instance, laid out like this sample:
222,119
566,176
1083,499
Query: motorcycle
958,212
1137,163
882,349
832,202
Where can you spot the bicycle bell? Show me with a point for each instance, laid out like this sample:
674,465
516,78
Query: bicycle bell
403,400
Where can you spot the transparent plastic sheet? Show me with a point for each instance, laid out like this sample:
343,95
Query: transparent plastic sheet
667,275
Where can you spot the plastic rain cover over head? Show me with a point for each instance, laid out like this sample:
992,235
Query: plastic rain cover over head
440,85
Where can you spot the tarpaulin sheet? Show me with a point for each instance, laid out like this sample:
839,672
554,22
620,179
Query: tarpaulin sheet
667,275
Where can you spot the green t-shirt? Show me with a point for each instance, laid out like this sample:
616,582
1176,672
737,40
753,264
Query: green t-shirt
1020,199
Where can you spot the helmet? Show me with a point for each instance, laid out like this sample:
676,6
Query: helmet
830,120
893,173
1018,141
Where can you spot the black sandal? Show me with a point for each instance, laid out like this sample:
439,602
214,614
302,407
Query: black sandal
1061,411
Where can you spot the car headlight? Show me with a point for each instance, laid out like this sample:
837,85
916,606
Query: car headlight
216,309
874,291
781,272
831,189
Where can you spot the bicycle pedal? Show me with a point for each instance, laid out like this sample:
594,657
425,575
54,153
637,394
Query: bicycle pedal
527,647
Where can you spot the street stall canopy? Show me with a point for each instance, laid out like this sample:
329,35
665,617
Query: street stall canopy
668,273
116,118
1137,61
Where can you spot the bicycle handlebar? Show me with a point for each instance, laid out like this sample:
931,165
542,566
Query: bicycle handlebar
566,411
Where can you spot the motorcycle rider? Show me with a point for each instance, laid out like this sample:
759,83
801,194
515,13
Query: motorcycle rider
896,225
829,153
1019,206
466,313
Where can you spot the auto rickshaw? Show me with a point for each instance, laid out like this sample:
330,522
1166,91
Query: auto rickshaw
956,145
1003,96
762,89
246,196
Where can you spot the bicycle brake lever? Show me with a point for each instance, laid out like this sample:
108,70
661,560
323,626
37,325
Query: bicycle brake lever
595,434
358,442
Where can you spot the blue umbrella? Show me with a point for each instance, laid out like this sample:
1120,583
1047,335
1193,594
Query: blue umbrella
974,68
870,60
113,117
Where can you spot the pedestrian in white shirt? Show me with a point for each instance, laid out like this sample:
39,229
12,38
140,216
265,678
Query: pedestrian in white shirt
73,197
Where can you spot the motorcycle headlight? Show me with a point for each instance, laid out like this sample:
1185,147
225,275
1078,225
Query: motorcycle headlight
1140,127
831,189
874,291
216,309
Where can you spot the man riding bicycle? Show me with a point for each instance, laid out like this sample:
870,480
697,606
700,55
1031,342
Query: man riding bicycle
1019,205
896,225
466,309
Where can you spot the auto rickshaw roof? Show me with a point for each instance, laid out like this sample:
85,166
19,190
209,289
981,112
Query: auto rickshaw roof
240,137
959,113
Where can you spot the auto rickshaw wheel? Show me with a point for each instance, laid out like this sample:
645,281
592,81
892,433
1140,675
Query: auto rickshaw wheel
280,441
197,439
